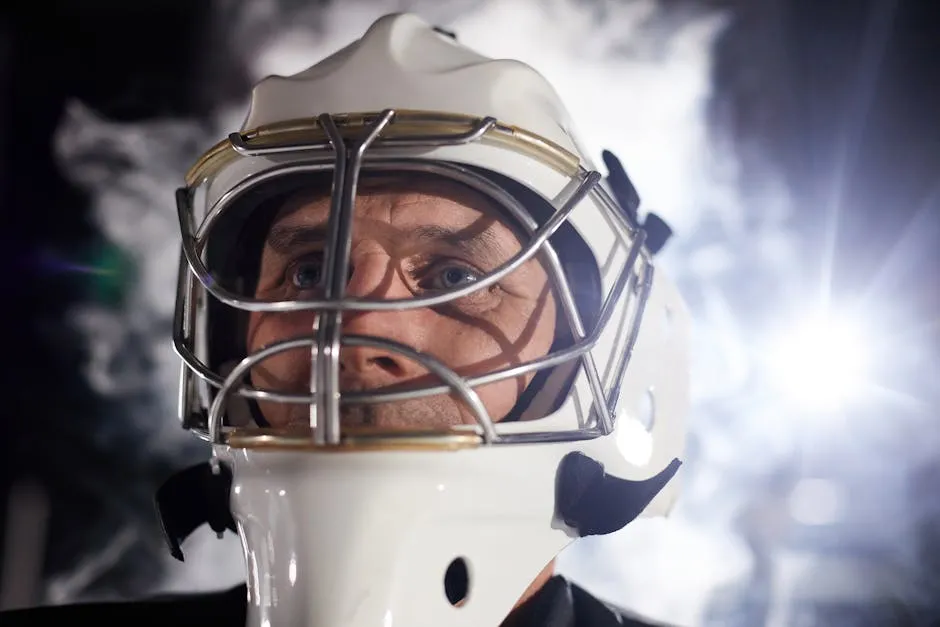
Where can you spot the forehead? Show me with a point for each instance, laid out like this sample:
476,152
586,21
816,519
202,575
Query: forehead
403,204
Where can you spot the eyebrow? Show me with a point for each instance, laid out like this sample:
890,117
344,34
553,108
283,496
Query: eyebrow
284,239
484,245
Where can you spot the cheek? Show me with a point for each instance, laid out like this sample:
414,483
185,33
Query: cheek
283,370
514,333
287,371
541,327
511,336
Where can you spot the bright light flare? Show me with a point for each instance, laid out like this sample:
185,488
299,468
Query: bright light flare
822,363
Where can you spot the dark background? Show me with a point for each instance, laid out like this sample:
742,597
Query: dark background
841,96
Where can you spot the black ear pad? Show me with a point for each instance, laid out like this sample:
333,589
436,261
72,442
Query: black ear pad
596,503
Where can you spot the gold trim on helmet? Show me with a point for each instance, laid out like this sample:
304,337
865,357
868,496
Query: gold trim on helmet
354,439
405,124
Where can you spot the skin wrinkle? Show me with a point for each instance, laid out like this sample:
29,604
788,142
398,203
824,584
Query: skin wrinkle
500,326
474,242
506,345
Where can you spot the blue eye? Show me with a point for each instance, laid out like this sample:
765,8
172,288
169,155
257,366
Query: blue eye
306,275
450,277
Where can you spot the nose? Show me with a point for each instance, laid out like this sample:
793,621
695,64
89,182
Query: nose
378,277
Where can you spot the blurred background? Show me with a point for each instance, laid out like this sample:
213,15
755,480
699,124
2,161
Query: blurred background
793,145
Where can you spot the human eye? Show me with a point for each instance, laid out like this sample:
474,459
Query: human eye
304,274
443,275
449,276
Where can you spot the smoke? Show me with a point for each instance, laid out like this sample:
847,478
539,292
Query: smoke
637,78
131,169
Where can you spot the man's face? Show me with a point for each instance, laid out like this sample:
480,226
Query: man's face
407,241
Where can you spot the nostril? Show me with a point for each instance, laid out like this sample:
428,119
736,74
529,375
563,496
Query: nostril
358,362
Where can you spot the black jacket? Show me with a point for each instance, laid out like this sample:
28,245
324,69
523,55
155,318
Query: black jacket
559,603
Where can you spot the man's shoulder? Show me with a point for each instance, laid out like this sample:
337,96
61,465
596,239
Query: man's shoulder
225,608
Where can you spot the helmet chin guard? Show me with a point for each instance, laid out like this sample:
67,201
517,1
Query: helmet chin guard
358,526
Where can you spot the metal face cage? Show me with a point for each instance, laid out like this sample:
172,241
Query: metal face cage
349,146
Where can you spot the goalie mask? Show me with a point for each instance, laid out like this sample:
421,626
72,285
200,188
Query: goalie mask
423,336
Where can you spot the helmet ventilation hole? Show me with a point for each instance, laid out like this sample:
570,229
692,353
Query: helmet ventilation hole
457,582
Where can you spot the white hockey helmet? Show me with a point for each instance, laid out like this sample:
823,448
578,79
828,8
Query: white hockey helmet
344,527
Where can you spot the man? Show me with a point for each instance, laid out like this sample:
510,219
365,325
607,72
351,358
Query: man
427,346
